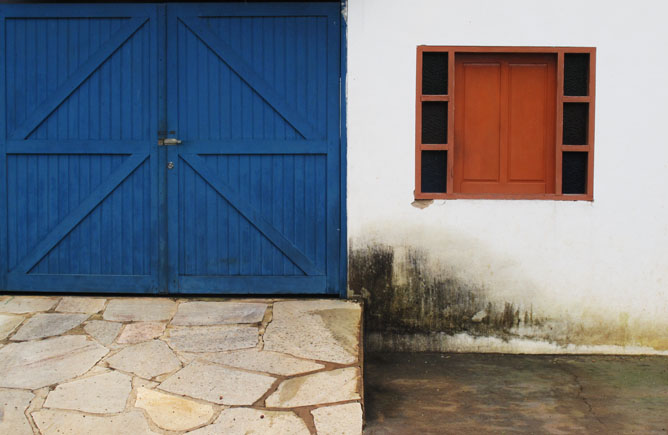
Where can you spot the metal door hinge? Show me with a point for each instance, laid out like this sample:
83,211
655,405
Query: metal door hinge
168,141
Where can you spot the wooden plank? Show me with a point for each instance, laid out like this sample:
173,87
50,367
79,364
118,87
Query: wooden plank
250,76
333,163
78,77
592,113
60,10
576,148
287,9
81,283
502,49
452,141
76,146
434,97
255,147
250,213
156,249
343,151
559,122
78,213
248,284
418,122
506,196
571,99
4,206
174,51
159,253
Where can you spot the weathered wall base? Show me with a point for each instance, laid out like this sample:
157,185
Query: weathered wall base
466,343
416,303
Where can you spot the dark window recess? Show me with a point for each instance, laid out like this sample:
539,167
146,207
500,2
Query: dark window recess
434,171
576,120
574,173
434,122
435,73
576,74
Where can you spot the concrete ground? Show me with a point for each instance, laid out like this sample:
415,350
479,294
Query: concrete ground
89,365
496,394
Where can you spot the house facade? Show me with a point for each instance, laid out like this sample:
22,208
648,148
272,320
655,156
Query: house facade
486,176
525,275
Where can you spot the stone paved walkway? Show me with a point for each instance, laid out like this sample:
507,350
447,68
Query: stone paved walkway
89,365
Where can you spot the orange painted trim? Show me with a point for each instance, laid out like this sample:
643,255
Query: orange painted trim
505,196
435,98
559,129
592,116
418,125
450,175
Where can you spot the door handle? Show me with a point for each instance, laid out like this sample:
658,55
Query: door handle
169,141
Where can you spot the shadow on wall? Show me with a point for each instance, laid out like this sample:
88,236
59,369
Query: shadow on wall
411,305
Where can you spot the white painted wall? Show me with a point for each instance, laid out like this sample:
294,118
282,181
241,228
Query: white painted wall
604,262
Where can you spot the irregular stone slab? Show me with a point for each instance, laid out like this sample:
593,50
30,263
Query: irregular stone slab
140,310
326,330
148,359
218,313
212,338
343,419
242,421
36,364
141,331
27,304
13,404
47,325
105,393
74,304
173,412
138,382
8,323
322,387
67,422
218,384
103,331
262,361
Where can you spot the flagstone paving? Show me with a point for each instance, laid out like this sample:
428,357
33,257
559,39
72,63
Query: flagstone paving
75,304
96,365
47,325
103,331
9,322
141,331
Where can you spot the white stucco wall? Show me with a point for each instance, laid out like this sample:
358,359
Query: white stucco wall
595,264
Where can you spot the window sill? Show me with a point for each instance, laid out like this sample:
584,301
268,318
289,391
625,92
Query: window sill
505,196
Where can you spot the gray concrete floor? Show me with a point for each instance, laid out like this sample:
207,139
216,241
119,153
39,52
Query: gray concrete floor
427,393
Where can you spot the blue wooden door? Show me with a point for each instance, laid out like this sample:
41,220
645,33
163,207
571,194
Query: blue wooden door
248,202
78,148
254,193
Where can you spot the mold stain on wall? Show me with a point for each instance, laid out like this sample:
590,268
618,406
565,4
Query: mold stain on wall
411,305
412,299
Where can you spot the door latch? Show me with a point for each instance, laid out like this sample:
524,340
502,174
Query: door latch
169,141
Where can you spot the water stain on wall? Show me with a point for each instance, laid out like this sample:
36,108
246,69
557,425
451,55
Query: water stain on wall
414,300
406,297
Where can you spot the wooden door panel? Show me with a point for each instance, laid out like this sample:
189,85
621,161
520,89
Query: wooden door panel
481,118
255,188
505,123
80,99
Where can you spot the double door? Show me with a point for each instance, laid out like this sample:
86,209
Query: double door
182,148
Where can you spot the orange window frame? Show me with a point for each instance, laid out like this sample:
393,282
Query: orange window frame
560,147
